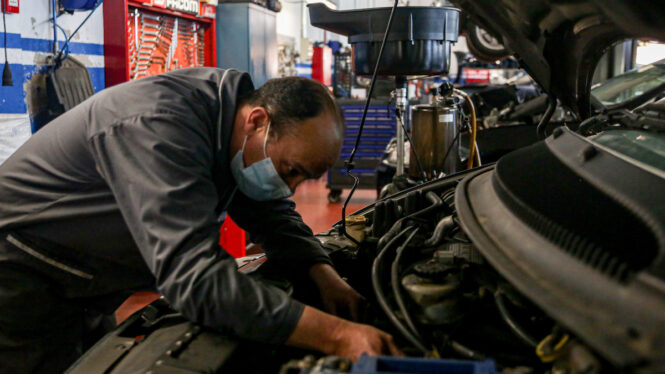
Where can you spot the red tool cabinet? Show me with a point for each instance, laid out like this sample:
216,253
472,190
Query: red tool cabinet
148,37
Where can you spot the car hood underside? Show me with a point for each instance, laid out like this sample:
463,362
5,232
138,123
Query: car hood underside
559,42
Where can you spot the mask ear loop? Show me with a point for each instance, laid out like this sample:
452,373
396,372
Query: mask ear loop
265,141
243,144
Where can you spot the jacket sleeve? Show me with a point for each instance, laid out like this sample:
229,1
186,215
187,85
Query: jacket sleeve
159,170
280,231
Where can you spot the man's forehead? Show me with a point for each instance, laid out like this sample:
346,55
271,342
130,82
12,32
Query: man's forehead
314,146
314,165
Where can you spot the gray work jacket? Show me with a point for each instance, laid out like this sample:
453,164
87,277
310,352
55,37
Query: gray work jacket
127,187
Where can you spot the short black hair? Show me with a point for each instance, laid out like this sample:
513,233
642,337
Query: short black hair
293,99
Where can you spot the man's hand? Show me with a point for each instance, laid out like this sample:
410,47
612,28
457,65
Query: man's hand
335,336
337,296
354,339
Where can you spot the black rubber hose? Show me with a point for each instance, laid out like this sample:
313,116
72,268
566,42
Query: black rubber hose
381,298
397,291
442,229
590,123
545,119
349,162
517,329
397,226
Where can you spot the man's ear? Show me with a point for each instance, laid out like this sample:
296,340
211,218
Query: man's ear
257,120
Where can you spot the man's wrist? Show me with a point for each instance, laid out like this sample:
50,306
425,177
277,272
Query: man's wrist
317,330
321,273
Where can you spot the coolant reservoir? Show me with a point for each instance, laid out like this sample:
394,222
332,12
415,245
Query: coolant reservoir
434,129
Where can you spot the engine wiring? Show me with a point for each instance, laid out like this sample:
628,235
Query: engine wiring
545,119
474,155
499,298
549,349
381,297
396,264
436,203
394,280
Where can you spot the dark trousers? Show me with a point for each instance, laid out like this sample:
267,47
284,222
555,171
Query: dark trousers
43,328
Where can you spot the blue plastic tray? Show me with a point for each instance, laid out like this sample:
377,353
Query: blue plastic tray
402,365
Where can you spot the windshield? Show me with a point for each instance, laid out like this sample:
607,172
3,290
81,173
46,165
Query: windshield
646,148
630,85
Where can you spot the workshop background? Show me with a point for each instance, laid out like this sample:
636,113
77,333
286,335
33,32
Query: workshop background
108,40
99,44
120,40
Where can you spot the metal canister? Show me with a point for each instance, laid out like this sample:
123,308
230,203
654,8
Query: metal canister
434,128
355,227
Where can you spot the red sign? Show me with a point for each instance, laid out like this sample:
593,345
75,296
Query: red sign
185,6
208,11
477,75
10,6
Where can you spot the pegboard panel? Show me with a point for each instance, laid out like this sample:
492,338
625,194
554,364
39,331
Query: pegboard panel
159,43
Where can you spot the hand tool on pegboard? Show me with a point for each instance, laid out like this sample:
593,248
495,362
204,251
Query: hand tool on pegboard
162,43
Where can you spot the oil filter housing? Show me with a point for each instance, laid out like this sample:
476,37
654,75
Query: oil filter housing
418,43
434,132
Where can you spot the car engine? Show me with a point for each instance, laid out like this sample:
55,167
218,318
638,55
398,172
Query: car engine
440,297
548,261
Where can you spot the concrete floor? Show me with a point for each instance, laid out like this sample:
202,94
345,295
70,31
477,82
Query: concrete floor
311,200
312,203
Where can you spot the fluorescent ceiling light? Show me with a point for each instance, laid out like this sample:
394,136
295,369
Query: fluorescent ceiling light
328,3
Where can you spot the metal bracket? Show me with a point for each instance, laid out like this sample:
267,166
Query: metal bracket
168,360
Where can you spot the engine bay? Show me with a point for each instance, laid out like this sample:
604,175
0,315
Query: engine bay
548,261
440,297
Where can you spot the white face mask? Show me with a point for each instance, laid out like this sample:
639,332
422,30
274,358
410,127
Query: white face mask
260,181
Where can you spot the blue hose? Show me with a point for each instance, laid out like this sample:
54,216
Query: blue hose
55,25
65,46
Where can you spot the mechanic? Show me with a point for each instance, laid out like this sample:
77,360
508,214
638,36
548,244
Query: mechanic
125,192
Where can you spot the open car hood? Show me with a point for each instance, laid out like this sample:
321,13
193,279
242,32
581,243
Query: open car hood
559,42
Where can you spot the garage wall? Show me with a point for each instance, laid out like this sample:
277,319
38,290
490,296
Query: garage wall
289,20
29,41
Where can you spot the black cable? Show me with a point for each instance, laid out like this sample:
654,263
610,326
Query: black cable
406,133
545,119
394,272
4,25
442,228
349,163
431,196
381,297
517,329
7,70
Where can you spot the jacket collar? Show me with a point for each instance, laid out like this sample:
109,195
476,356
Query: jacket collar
231,86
